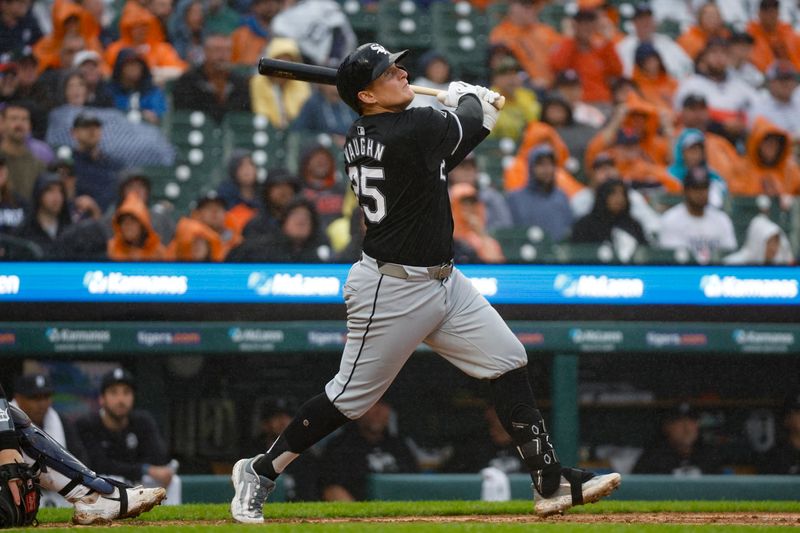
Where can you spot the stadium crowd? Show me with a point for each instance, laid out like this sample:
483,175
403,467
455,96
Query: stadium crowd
662,131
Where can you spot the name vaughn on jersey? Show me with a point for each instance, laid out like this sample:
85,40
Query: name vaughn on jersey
363,147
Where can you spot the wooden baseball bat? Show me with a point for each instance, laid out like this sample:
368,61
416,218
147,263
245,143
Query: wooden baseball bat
316,74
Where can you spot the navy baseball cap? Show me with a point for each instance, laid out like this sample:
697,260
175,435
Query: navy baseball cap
361,68
118,375
33,385
682,410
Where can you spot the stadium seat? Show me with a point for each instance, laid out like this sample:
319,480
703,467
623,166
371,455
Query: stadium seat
199,142
252,132
524,245
462,34
363,22
584,253
178,185
298,142
493,156
402,24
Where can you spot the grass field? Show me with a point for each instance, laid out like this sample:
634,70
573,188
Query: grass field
462,516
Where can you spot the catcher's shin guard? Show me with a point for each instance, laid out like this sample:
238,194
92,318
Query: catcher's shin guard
41,447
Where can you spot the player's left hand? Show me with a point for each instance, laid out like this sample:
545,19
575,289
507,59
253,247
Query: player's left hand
455,91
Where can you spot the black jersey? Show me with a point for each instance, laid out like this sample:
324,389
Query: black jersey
397,164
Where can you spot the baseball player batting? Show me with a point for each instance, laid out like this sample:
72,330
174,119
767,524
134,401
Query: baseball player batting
405,289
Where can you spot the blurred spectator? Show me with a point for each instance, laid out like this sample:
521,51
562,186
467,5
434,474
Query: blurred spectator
434,72
709,27
541,203
80,206
635,118
529,39
610,221
279,99
220,17
299,240
721,154
568,85
591,54
777,105
498,451
765,244
497,213
96,171
141,31
135,180
242,186
325,112
604,169
195,241
690,151
774,40
516,174
210,210
49,87
557,113
18,26
19,81
469,223
273,416
74,90
126,442
252,36
134,238
784,457
521,104
649,74
71,24
33,393
769,166
339,231
277,192
12,206
322,184
40,149
90,66
676,62
213,87
133,90
186,31
729,99
681,452
695,225
23,166
740,48
364,447
320,28
49,215
162,11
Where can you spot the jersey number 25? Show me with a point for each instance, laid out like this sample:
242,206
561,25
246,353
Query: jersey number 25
362,180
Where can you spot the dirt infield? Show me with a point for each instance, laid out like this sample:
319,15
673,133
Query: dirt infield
762,519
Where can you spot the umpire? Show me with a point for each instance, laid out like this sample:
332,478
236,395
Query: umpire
405,289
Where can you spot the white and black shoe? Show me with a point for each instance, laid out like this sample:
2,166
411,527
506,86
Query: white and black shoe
98,509
577,487
250,492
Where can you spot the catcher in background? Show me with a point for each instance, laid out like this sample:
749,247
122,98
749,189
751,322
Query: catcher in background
25,450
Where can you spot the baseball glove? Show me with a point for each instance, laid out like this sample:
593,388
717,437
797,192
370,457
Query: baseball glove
24,514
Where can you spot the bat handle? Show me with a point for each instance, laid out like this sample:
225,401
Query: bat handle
429,91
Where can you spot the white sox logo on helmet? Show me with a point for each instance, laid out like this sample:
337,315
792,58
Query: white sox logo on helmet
379,48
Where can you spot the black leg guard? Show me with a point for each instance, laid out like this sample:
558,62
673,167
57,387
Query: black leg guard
41,447
516,409
315,419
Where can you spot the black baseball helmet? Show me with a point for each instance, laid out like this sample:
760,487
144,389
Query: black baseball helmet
360,68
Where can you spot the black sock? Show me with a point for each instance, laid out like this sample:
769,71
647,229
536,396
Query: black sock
516,409
315,419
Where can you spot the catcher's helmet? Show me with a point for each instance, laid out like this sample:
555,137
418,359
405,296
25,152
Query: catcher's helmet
360,68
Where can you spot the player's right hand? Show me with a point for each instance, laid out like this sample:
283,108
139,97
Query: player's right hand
455,91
